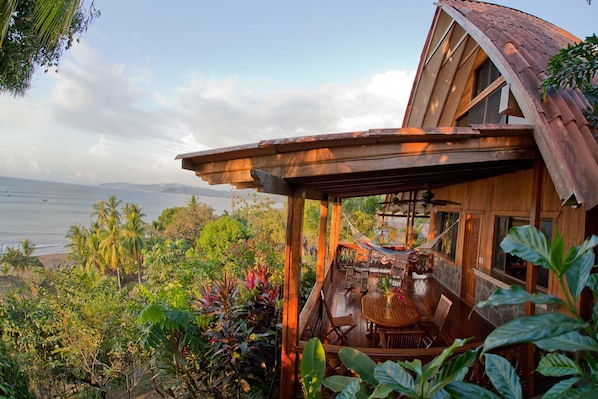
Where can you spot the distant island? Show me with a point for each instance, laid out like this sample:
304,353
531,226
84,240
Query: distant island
172,188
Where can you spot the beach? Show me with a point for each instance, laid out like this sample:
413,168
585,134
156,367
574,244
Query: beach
52,260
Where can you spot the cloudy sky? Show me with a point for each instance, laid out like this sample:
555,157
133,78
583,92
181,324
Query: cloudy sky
147,82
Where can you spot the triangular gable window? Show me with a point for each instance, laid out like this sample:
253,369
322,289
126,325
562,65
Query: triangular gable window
485,97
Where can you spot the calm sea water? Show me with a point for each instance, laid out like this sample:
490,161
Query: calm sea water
43,211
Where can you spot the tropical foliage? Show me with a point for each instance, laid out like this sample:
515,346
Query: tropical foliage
133,310
34,33
576,66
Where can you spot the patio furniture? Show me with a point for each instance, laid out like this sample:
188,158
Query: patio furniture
401,339
434,326
340,325
397,275
398,316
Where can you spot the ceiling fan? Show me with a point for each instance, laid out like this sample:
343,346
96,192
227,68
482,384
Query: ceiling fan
426,198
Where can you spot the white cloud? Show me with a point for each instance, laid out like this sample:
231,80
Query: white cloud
106,122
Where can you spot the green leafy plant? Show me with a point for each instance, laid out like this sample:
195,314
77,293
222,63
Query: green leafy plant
313,367
576,66
410,379
569,340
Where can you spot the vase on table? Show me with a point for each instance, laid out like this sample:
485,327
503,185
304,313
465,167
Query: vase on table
388,300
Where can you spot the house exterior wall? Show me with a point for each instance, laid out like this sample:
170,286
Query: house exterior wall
506,195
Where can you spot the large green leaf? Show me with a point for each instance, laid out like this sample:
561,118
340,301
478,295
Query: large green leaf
570,342
313,367
582,391
503,376
152,313
460,389
359,363
516,295
381,391
561,389
337,383
352,391
396,377
430,369
558,365
530,329
580,265
529,244
453,370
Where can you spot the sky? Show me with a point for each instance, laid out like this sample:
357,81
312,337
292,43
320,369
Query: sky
147,82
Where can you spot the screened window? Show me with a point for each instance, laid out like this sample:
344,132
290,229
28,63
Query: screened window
511,268
486,110
447,225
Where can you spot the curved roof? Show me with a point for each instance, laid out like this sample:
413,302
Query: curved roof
520,46
382,161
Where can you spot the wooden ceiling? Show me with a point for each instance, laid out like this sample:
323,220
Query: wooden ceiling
366,163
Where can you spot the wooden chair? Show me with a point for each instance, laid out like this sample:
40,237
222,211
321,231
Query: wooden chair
434,326
397,275
340,325
401,339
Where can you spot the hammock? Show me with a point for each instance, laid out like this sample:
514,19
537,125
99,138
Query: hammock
367,244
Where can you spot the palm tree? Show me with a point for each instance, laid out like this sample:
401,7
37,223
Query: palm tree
133,232
111,248
20,259
192,204
106,212
94,258
78,250
99,212
53,18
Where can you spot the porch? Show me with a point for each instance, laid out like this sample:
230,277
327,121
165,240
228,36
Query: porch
461,322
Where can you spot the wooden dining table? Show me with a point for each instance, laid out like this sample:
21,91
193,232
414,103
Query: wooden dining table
402,314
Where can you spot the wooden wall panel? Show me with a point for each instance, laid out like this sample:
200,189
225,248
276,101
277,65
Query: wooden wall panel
511,195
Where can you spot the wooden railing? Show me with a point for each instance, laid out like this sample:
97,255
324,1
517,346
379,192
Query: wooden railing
476,375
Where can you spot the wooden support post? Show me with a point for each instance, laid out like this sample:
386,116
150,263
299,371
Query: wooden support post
291,295
335,227
322,239
531,277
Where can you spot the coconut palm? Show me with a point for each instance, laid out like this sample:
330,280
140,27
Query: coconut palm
133,232
94,259
20,259
78,250
111,248
106,212
53,18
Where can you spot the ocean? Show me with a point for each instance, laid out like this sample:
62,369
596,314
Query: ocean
43,211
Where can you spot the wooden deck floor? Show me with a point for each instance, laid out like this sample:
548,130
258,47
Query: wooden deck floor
461,322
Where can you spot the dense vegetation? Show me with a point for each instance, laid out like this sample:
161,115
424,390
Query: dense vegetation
186,306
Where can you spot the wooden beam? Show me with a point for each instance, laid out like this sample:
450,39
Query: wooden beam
291,295
531,277
269,183
322,239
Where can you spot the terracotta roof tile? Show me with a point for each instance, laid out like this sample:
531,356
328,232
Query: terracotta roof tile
526,43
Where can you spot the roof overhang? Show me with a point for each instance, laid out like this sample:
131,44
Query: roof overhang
377,161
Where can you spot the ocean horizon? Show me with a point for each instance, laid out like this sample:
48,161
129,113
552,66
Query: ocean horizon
43,211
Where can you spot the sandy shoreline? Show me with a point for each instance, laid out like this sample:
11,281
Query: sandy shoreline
52,260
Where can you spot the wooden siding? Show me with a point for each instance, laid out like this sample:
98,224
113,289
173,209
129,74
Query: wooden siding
511,195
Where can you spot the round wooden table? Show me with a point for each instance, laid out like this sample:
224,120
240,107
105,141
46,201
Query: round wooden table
400,315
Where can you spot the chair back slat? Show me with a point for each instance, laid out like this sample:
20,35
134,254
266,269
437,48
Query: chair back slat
442,311
401,339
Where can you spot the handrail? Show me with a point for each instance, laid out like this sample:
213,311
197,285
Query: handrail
398,353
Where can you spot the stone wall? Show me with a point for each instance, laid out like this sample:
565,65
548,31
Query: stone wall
498,315
448,275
